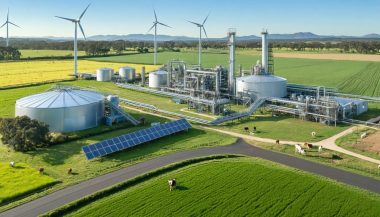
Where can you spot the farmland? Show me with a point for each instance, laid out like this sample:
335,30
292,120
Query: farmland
239,187
29,72
19,180
330,73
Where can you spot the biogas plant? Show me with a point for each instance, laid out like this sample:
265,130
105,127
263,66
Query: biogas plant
202,89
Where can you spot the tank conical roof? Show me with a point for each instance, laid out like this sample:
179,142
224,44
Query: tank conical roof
60,98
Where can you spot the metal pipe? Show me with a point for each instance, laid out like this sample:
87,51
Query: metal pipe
142,75
231,75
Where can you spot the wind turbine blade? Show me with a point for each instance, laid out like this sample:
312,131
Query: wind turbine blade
155,15
3,25
205,19
197,24
84,11
164,24
81,29
64,18
204,30
8,15
14,24
151,28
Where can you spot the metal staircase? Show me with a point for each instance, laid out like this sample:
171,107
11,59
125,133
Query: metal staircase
252,109
116,109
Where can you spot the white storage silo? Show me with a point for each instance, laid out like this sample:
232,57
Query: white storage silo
127,73
158,79
262,85
104,74
64,110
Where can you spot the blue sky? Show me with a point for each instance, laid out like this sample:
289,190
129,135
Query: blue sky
328,17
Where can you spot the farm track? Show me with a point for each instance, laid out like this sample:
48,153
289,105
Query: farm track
75,192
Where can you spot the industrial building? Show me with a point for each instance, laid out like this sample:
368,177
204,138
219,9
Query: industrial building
209,90
212,90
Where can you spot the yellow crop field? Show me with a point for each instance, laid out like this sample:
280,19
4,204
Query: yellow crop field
29,72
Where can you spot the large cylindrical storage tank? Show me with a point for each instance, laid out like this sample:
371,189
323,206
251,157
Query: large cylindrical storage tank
104,74
64,110
127,73
158,79
262,85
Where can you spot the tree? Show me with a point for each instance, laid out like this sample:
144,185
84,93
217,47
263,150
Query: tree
24,134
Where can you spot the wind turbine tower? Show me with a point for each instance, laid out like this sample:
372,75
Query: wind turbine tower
7,22
155,24
76,24
201,27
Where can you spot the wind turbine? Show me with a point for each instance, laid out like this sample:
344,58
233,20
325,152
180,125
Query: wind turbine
7,23
155,23
77,23
201,27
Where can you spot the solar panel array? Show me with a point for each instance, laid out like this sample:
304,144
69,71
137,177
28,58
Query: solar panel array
133,139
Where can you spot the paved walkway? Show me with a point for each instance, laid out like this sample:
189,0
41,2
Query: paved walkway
75,192
328,143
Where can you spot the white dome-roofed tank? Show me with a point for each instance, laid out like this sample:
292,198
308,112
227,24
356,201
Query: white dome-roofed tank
262,85
127,73
104,74
64,110
158,79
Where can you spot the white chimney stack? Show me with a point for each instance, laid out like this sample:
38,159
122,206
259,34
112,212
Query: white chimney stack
264,49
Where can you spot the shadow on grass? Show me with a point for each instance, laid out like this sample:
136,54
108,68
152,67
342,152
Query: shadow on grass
182,188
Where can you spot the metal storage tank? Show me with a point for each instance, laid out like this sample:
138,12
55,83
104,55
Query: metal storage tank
64,110
104,74
158,79
262,85
127,73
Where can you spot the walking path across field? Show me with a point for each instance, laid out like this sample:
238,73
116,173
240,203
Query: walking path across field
75,192
328,143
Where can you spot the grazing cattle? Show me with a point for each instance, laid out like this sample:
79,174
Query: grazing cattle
313,134
320,149
302,152
254,128
70,171
12,164
41,170
364,135
277,142
172,184
246,129
310,146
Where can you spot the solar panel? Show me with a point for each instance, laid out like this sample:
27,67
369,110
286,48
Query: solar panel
133,139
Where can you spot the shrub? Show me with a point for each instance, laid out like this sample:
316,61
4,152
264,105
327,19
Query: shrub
23,133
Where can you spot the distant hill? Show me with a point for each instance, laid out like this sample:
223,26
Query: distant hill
149,37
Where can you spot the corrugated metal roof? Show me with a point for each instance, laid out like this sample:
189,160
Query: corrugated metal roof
60,98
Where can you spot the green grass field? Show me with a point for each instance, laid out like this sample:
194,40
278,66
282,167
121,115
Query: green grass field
284,128
237,187
352,142
331,73
57,159
20,179
341,161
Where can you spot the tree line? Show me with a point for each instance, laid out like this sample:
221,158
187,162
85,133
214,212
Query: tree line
96,48
9,53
